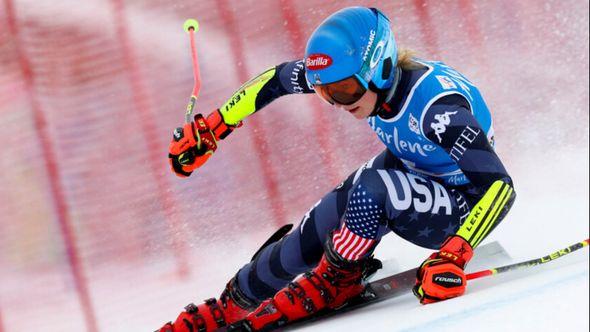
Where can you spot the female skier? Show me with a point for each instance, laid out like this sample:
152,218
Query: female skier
438,184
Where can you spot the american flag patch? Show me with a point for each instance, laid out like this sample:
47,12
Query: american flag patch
349,245
359,232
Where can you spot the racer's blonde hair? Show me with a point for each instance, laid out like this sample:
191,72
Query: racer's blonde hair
405,59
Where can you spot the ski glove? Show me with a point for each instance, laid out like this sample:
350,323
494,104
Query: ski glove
193,144
441,275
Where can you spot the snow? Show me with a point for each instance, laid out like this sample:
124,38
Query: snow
548,298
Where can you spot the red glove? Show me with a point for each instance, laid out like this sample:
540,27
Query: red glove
193,144
441,276
218,126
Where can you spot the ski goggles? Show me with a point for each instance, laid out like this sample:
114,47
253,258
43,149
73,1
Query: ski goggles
344,92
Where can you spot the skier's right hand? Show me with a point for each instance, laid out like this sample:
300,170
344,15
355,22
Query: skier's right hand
191,146
441,276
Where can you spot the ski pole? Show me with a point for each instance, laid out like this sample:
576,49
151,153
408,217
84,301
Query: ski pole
529,263
191,26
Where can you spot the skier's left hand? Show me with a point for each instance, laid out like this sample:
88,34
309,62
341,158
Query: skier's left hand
441,275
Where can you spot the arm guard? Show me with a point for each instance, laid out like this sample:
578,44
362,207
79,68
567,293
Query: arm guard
252,96
479,163
243,102
487,213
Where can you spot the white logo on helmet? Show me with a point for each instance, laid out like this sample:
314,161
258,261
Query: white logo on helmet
369,45
377,54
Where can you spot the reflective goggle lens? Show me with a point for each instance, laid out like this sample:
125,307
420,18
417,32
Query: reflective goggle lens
344,92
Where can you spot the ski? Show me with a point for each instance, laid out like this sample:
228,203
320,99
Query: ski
399,284
389,287
402,283
376,291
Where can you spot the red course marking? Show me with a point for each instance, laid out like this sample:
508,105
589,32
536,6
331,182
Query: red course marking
258,131
429,37
1,325
322,125
474,32
52,168
141,104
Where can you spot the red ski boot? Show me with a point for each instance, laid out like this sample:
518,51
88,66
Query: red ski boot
232,306
330,285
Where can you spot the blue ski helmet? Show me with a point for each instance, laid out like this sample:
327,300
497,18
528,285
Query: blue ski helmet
353,41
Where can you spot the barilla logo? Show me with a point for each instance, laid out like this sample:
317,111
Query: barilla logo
318,61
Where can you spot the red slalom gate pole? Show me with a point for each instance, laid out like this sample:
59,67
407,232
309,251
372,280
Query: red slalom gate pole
428,31
140,95
259,144
322,126
52,169
529,263
1,324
